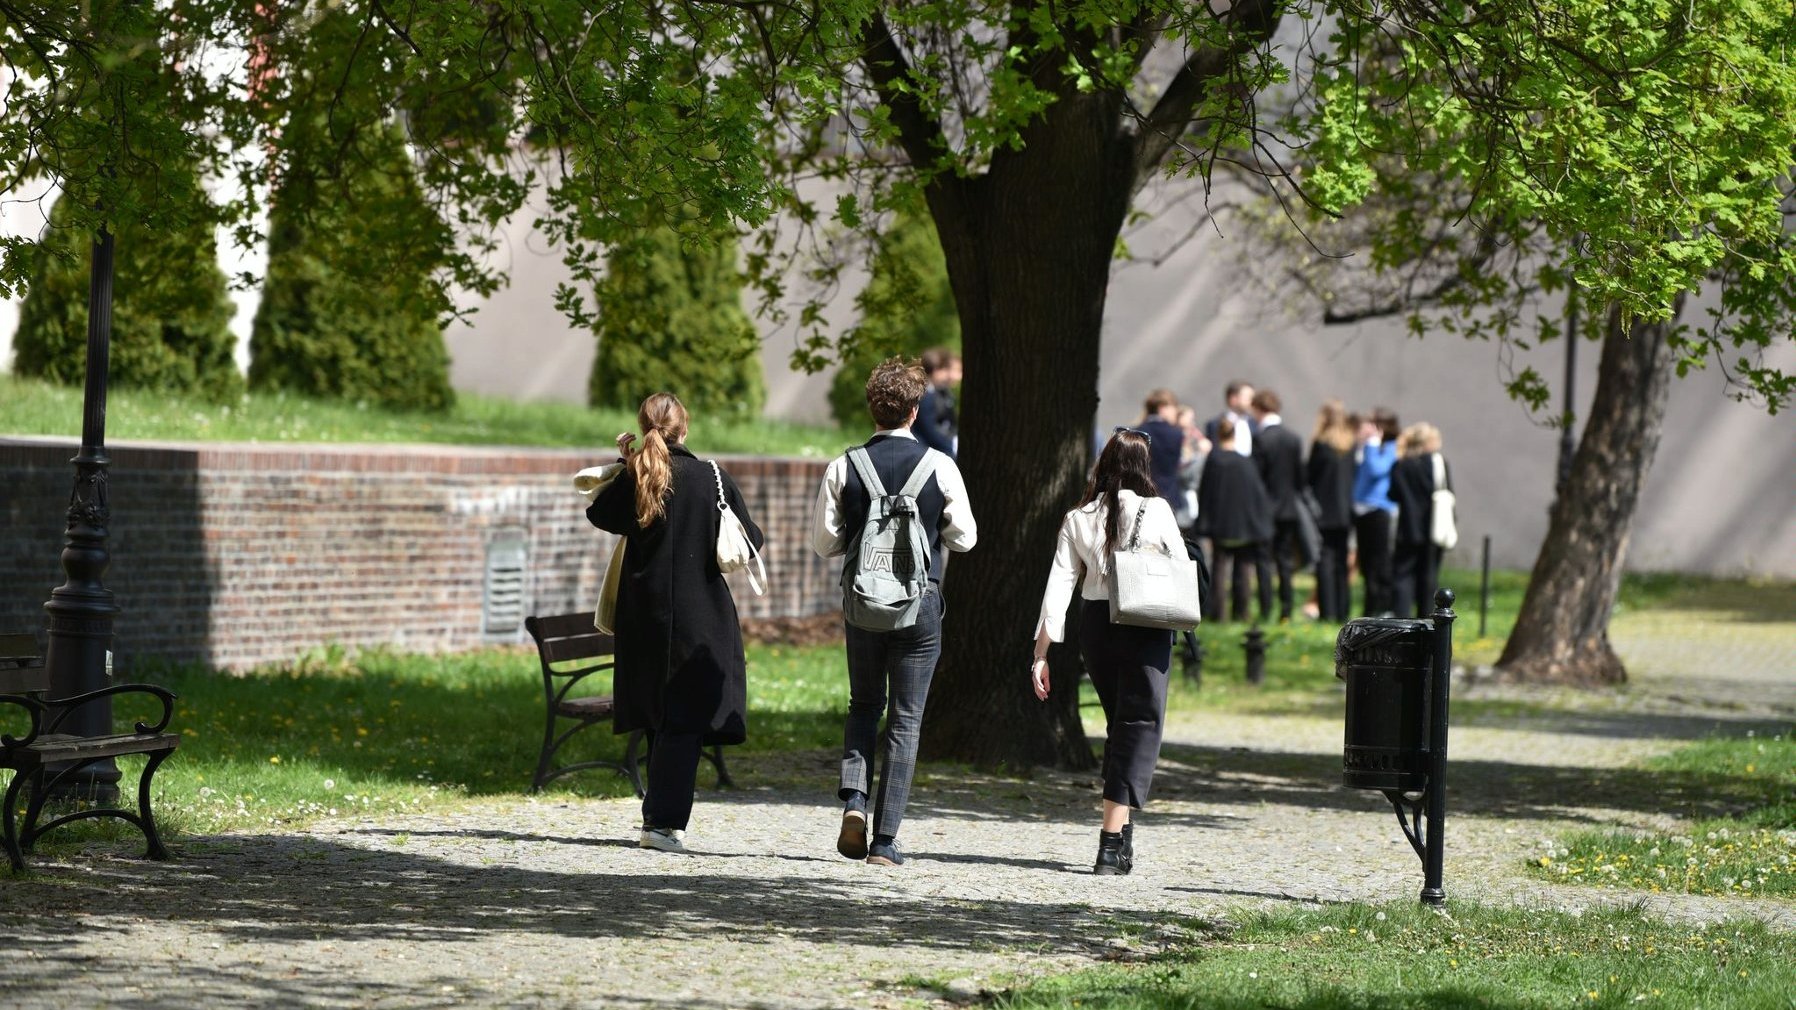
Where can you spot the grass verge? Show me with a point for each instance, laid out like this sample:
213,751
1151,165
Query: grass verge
385,733
1750,852
34,407
1389,957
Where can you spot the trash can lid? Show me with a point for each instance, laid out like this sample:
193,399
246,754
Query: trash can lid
1370,632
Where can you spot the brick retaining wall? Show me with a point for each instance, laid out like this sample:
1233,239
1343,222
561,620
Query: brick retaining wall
235,555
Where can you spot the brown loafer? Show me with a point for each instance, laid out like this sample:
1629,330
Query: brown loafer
852,840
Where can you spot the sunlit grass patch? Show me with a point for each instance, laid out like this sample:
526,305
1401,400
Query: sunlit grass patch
1752,852
335,734
1389,957
35,407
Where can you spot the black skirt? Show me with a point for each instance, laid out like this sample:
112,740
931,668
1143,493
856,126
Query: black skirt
1128,667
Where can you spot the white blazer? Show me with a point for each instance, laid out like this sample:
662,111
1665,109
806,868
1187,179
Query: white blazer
1081,546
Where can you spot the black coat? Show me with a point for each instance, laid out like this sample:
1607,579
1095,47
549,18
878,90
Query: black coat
1278,453
1331,480
680,666
1232,506
1412,488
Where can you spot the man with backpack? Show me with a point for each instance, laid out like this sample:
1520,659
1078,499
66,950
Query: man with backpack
889,508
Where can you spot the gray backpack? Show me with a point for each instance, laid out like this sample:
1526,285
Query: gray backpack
884,580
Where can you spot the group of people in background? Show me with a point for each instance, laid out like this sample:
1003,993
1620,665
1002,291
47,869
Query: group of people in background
1361,495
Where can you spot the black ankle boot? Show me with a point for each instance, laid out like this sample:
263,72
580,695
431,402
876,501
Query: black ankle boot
1128,847
1110,862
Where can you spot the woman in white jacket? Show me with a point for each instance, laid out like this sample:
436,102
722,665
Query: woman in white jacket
1127,664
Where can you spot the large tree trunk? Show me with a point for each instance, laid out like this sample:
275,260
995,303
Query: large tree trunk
1562,632
1029,247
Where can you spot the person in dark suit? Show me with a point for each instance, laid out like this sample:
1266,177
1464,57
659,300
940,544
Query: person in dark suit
938,424
1238,400
1166,441
1234,512
1415,559
1329,474
1278,456
681,674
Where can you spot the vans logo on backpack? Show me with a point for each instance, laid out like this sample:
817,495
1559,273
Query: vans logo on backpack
884,580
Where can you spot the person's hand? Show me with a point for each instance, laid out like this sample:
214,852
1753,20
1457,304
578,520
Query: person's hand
623,442
1038,676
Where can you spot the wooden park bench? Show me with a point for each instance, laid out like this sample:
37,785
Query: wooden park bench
570,650
43,757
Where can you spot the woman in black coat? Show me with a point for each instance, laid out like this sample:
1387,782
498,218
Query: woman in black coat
1330,472
681,674
1415,559
1234,511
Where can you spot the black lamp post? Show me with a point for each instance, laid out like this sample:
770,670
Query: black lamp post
81,609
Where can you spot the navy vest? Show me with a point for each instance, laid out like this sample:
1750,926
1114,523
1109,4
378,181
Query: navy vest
894,457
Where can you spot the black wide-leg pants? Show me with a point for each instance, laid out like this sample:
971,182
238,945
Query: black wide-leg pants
1128,667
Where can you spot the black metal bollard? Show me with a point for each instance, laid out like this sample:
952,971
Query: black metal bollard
1254,643
1398,675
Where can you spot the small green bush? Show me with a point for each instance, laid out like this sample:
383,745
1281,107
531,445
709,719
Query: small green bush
171,313
906,308
349,310
670,318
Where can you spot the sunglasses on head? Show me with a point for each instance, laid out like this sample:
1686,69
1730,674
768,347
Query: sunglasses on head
1119,429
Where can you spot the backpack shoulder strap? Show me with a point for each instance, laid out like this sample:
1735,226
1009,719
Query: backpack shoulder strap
863,465
920,476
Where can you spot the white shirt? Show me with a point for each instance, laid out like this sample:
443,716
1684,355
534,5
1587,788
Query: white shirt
1243,434
1081,546
830,539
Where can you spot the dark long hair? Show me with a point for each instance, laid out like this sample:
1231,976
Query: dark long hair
1123,464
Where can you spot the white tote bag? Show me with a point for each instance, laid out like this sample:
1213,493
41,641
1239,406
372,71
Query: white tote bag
1443,525
734,550
1149,589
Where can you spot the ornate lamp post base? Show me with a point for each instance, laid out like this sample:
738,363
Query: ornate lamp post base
81,610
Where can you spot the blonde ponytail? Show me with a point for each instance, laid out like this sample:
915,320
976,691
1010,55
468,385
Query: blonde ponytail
663,420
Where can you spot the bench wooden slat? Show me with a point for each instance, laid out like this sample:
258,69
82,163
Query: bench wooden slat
587,708
591,645
21,669
561,625
65,747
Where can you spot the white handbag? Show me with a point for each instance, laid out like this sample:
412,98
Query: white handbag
1149,589
1443,525
734,550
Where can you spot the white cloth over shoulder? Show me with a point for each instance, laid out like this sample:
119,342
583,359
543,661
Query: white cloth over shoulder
590,481
1081,547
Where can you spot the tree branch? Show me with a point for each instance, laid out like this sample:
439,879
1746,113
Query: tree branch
1250,23
919,132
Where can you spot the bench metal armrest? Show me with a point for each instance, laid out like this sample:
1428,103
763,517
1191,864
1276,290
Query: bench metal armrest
32,705
68,705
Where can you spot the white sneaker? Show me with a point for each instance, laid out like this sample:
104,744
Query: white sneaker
663,840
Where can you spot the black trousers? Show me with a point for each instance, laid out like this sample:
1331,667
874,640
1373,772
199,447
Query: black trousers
1373,530
673,775
1334,598
1228,580
1415,571
1283,557
1128,667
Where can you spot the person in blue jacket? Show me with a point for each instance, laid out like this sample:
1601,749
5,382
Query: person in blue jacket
937,425
1374,513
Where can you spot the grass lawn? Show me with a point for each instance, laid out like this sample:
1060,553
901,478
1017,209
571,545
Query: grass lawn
1752,852
384,733
1389,957
34,407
